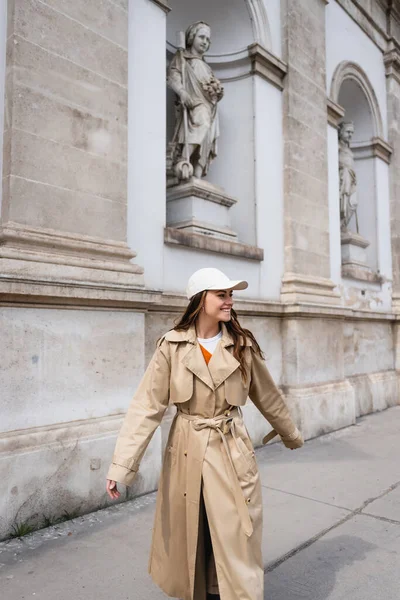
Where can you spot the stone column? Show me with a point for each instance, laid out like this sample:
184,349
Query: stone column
307,262
64,203
392,63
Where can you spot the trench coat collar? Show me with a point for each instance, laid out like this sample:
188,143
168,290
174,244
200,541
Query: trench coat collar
222,363
191,337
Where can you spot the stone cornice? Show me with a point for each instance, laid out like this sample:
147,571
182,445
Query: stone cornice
335,113
50,294
377,147
174,236
267,65
163,4
391,59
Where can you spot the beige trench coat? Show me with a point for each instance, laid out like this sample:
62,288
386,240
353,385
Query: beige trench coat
209,466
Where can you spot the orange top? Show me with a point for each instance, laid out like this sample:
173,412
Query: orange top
207,355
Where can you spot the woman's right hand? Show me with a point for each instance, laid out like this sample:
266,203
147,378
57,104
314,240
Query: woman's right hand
112,490
185,98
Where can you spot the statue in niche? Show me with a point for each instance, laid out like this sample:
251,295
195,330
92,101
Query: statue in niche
347,177
194,143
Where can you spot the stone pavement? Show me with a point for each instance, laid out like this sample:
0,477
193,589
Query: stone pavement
331,532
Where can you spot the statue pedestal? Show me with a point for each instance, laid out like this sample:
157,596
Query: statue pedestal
198,206
354,258
353,248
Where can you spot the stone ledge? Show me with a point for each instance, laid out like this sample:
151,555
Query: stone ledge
30,244
176,237
361,273
309,289
163,4
376,148
335,113
44,294
267,65
391,60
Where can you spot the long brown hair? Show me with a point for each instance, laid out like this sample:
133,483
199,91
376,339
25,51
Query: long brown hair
239,334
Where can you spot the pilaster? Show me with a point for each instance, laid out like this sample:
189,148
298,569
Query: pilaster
63,214
392,65
307,262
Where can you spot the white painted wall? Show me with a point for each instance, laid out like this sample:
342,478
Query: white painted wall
334,207
269,186
233,169
3,41
368,196
146,137
345,40
383,218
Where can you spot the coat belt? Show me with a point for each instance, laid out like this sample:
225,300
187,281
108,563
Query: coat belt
225,424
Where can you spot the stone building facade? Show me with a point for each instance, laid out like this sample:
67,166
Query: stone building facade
91,270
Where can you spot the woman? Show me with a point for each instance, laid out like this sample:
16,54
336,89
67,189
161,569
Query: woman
208,524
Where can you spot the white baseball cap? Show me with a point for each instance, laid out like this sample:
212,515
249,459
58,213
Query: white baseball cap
212,279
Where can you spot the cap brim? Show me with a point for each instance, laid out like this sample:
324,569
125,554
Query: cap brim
233,285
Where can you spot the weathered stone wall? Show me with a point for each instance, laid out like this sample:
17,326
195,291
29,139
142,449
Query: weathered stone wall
65,140
66,117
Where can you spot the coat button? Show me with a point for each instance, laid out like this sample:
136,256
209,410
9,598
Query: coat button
184,494
248,500
185,453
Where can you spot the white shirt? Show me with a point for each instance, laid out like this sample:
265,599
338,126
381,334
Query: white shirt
210,343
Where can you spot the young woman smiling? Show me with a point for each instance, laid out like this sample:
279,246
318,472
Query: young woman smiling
208,523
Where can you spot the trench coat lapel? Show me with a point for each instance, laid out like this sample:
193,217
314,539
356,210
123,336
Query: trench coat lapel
194,361
222,363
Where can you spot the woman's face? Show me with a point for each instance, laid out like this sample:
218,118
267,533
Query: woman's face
201,42
218,305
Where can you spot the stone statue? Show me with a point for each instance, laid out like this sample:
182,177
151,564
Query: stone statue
194,144
347,177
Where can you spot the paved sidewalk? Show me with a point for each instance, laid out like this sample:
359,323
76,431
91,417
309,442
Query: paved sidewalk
331,531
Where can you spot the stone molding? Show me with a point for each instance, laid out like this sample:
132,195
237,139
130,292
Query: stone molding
163,4
202,189
354,238
35,257
396,302
65,248
174,236
391,60
361,272
267,65
335,113
377,147
82,295
350,70
301,288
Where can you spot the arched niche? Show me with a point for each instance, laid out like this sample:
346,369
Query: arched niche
236,26
235,23
352,90
356,82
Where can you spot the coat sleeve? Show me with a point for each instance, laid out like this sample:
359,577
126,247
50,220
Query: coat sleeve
271,404
143,417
